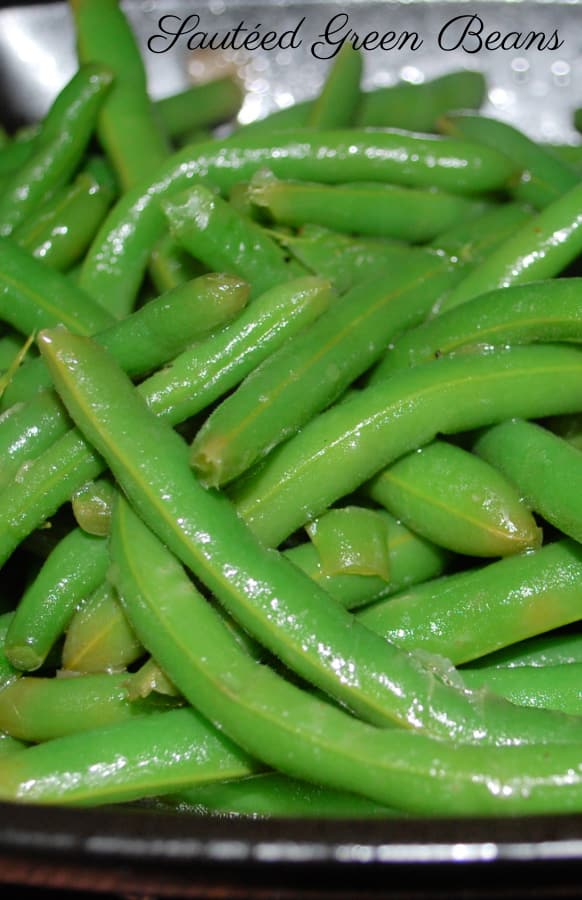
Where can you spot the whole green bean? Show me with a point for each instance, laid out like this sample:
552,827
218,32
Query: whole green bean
412,560
541,248
540,311
545,177
59,148
34,297
195,379
116,262
148,755
41,709
127,125
72,571
63,228
417,107
349,443
363,208
339,98
199,106
299,734
546,470
269,597
467,615
224,240
445,494
99,637
305,376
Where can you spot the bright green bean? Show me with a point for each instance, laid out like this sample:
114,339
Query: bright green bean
547,687
339,99
448,496
363,208
540,311
467,615
269,597
73,570
199,106
472,241
116,262
349,443
149,755
307,375
555,649
59,148
546,470
41,709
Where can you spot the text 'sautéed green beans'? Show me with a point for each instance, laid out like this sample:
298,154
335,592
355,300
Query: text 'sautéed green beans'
449,496
347,444
262,590
546,470
306,376
116,263
469,614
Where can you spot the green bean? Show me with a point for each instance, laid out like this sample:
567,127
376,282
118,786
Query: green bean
156,333
127,126
550,687
283,119
269,597
299,734
344,259
411,560
349,443
99,638
62,229
447,495
91,507
148,755
467,615
41,709
73,570
272,794
339,99
307,375
540,311
33,297
417,107
217,235
473,241
59,148
172,265
352,540
557,649
568,153
7,377
10,745
195,379
540,249
116,262
199,106
545,178
546,470
14,156
10,346
363,208
8,672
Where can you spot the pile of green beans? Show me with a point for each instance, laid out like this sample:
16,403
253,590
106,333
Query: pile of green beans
290,429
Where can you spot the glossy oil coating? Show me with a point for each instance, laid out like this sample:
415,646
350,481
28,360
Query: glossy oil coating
276,603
